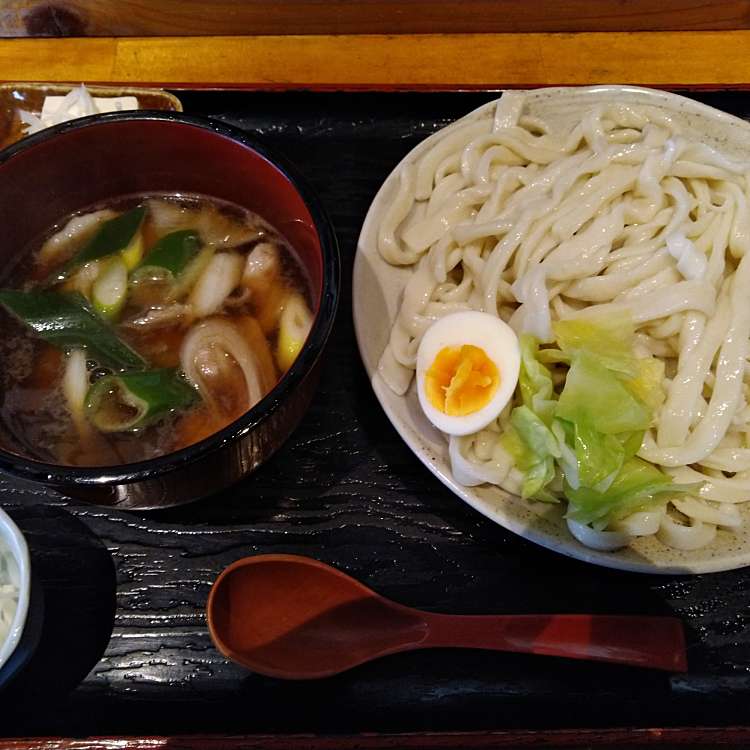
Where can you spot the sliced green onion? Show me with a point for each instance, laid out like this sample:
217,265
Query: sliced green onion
66,321
171,253
119,235
118,403
294,326
133,253
110,290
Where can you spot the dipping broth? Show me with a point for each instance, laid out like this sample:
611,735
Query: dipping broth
145,325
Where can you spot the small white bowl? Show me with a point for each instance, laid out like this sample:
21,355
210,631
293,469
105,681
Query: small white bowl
12,539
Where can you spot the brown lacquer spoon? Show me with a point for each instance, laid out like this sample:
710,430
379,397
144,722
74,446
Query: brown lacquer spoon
297,618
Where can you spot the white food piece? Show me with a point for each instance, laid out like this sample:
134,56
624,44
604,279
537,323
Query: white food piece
691,262
221,277
533,316
8,591
51,106
75,386
499,343
76,103
74,234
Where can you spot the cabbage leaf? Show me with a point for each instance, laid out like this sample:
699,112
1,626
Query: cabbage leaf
635,488
590,432
608,338
594,396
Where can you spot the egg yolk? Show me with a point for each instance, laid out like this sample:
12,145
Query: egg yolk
461,380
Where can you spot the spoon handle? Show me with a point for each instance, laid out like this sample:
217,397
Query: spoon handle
655,642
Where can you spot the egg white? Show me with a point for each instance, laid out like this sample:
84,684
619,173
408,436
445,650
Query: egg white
500,344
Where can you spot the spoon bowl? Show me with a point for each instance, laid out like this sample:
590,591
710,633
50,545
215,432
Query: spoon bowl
293,617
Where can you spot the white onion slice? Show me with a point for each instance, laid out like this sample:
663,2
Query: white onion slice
204,351
219,279
73,235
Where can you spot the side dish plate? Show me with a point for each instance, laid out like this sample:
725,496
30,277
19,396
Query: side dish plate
30,97
377,291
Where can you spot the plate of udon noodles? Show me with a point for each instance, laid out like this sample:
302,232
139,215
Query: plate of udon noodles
561,203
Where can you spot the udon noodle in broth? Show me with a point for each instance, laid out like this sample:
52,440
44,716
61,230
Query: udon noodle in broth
617,249
144,325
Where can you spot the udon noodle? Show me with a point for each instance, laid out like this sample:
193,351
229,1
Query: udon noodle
620,212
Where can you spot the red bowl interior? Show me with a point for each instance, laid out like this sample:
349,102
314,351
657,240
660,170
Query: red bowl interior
44,182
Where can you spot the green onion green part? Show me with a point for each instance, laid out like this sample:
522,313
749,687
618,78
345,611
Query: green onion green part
171,253
118,403
66,321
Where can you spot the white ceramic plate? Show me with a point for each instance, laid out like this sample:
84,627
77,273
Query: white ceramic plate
377,289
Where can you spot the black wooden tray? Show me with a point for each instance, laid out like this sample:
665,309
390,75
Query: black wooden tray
125,649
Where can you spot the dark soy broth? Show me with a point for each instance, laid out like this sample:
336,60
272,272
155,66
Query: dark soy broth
191,311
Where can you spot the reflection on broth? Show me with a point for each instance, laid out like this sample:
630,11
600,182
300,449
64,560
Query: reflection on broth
145,325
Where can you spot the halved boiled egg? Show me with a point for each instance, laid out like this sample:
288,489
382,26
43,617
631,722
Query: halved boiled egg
467,370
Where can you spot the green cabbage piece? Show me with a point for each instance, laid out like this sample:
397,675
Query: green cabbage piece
538,467
537,478
608,401
534,433
529,439
648,383
599,456
597,399
636,487
608,338
535,381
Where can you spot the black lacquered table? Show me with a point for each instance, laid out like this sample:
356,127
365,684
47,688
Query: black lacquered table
125,648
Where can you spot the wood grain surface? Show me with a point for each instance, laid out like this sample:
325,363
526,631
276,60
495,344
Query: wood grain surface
577,739
199,17
345,489
437,61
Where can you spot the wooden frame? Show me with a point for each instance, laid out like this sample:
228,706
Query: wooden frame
315,44
195,17
564,738
708,59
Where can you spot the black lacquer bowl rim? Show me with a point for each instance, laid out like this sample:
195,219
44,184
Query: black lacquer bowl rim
50,473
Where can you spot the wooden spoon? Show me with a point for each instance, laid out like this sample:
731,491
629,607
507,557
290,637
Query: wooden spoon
297,618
